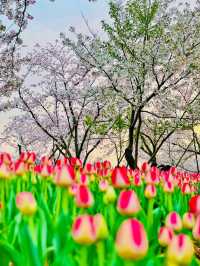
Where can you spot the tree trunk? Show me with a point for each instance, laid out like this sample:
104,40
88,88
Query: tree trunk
129,150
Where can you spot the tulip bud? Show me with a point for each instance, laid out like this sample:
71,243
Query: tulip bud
84,197
165,236
137,181
84,180
110,195
26,203
100,226
4,171
45,160
173,220
173,171
128,203
153,177
196,229
73,189
76,163
106,164
83,230
20,168
46,170
89,169
188,220
150,191
103,185
5,158
145,168
120,178
31,157
194,204
131,240
180,250
65,176
186,189
168,187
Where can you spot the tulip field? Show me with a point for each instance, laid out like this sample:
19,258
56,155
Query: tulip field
67,214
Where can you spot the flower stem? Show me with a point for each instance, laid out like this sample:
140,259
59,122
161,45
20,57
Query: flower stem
150,213
129,263
83,259
101,253
58,200
65,200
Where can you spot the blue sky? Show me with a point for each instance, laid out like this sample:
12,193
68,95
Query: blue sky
51,18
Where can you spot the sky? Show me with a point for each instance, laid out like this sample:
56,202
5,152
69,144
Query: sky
51,18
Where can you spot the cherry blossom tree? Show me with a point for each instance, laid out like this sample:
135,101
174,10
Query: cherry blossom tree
60,99
151,50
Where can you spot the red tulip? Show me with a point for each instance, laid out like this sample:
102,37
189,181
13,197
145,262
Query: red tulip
106,165
89,169
173,171
75,162
145,168
131,240
194,204
173,220
128,203
83,230
84,180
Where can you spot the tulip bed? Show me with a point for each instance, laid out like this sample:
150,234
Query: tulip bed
64,214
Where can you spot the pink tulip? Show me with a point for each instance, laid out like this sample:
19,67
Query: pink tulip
196,229
150,191
165,236
131,240
186,189
26,203
5,158
100,226
188,220
83,230
180,250
64,176
4,171
120,178
103,185
84,197
128,203
168,187
173,220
